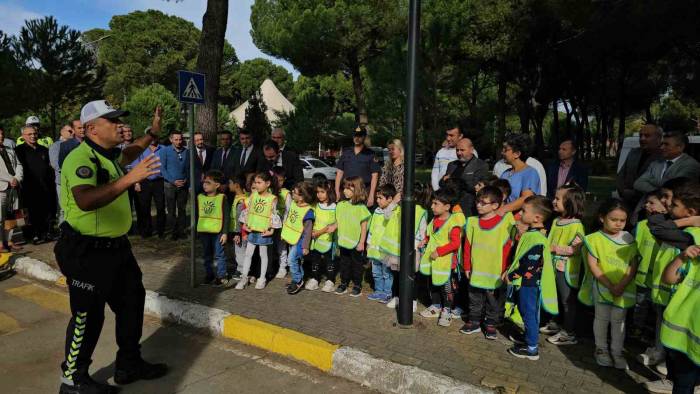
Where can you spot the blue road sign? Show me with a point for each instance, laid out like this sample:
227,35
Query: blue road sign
190,87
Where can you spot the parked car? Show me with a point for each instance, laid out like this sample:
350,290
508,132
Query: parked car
316,169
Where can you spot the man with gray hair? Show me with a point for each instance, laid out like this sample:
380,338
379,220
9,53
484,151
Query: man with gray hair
638,161
673,164
469,170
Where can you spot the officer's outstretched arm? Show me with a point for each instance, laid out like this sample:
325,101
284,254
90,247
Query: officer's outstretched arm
89,197
132,152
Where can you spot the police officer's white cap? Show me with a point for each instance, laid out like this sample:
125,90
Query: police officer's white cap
99,109
32,120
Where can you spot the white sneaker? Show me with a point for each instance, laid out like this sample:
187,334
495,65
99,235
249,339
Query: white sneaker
251,280
651,356
661,368
260,284
603,358
328,287
661,386
281,273
457,313
241,283
311,284
415,306
431,312
620,362
393,303
445,318
551,328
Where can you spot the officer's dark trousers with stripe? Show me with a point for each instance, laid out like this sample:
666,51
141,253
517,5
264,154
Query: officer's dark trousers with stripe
95,277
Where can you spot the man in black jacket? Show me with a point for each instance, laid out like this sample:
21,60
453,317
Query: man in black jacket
204,155
287,159
470,170
224,160
566,169
247,158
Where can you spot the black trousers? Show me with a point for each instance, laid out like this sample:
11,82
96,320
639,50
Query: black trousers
176,201
319,261
352,266
97,276
484,303
152,190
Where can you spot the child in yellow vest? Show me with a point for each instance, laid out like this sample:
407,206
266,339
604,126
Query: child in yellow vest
212,228
532,275
352,215
442,245
323,245
260,219
381,273
608,284
296,232
566,239
237,187
284,202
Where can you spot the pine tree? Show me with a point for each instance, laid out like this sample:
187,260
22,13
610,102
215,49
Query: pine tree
255,119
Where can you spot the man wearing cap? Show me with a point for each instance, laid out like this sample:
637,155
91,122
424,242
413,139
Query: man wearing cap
94,253
358,161
34,121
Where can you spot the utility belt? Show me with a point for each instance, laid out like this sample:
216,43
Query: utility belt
73,237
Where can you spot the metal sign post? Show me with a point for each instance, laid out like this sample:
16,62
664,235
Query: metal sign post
408,207
191,91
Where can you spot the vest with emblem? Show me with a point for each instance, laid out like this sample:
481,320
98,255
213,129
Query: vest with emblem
234,226
260,212
614,259
324,217
548,285
377,227
439,269
211,213
391,241
294,223
487,252
350,217
564,235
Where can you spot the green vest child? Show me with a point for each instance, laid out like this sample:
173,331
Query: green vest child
565,235
325,216
350,218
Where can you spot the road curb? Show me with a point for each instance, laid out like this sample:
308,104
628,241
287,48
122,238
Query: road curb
342,361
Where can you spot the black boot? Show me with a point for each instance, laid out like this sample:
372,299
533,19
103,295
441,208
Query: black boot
86,385
140,370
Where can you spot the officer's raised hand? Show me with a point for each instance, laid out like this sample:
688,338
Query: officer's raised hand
147,167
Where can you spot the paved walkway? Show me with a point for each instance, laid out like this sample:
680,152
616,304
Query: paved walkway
371,327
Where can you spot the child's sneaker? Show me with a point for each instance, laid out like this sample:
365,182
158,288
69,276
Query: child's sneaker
251,280
430,312
620,362
491,333
562,338
260,284
603,358
520,351
341,289
386,299
356,291
311,284
376,296
294,288
651,356
328,287
457,313
445,318
393,303
661,386
241,283
236,276
551,328
281,273
470,327
661,368
517,338
227,282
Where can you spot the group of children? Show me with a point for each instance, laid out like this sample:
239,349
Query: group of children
535,262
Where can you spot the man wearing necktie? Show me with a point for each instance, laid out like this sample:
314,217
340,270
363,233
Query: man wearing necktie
673,164
205,156
223,157
249,157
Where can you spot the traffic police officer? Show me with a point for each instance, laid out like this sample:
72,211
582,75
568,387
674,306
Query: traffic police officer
94,253
358,161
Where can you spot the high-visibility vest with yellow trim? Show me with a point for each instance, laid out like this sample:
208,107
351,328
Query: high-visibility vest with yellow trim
294,223
548,286
324,217
350,217
647,246
439,269
487,252
377,226
234,226
680,327
260,212
564,235
282,201
614,260
391,241
662,255
211,213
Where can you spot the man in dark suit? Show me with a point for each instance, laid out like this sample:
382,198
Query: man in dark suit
286,159
204,155
224,160
248,157
638,161
566,169
469,170
290,159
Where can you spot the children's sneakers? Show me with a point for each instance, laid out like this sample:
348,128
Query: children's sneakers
281,273
376,296
661,368
341,289
393,303
385,299
311,284
241,283
328,286
260,284
490,332
661,386
619,362
603,358
251,280
457,313
445,317
356,291
430,312
551,328
521,351
470,327
562,338
295,288
651,356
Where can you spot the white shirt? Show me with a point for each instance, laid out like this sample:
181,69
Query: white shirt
202,153
501,166
245,154
442,158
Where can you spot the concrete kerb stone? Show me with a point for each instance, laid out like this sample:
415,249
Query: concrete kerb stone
346,362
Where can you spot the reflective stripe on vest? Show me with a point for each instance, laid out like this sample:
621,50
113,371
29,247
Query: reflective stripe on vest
260,212
564,235
377,226
487,252
350,218
614,259
548,286
680,327
234,225
663,255
324,217
646,244
211,213
294,223
391,241
440,268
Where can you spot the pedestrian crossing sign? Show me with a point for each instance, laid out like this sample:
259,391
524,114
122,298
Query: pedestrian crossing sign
190,87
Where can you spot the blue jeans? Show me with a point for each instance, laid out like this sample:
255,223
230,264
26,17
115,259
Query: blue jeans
295,259
213,250
529,306
383,279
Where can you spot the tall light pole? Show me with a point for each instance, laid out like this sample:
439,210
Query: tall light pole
408,206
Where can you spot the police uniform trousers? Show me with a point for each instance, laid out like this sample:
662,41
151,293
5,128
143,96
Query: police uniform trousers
100,271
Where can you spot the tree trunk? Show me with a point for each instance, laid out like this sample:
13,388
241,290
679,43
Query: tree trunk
586,132
554,138
621,115
211,53
524,112
358,88
502,85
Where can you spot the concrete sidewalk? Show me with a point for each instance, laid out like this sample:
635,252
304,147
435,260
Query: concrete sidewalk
371,327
